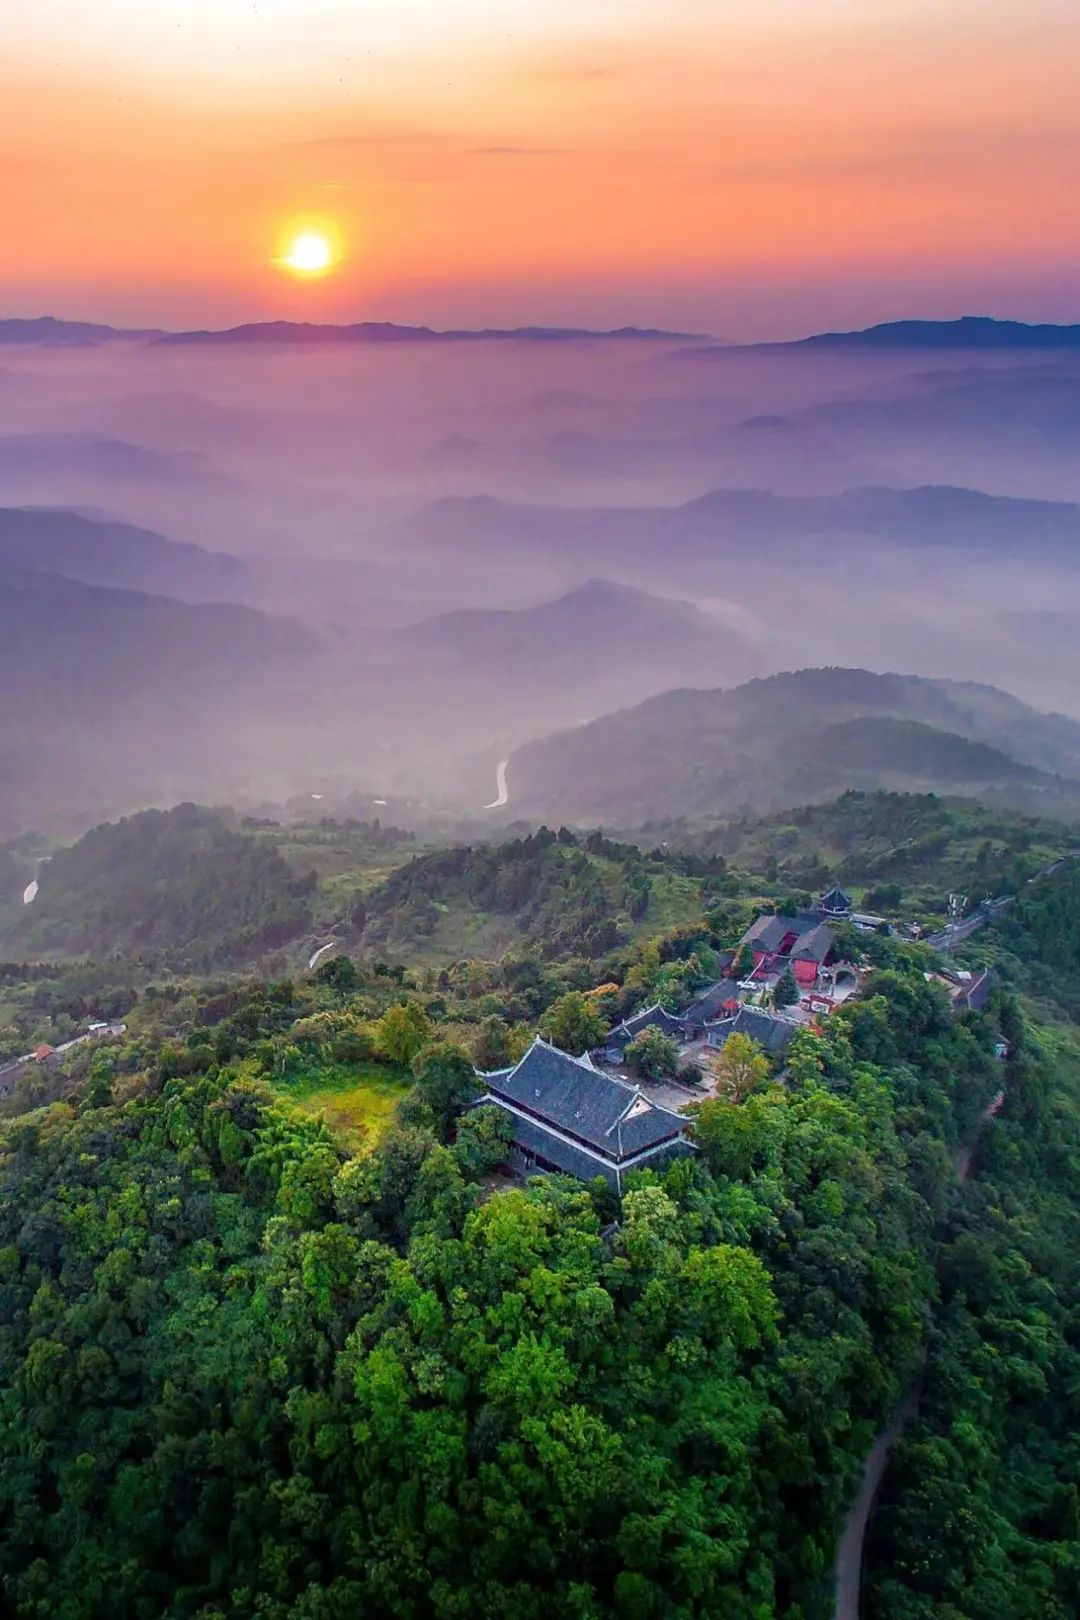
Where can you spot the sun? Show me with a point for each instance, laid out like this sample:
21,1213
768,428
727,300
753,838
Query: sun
308,253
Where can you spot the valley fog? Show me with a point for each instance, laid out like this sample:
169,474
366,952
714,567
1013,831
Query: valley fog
427,554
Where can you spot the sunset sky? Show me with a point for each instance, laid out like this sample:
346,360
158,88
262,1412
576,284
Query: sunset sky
747,167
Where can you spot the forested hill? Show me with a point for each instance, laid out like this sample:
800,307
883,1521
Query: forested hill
910,847
178,886
250,1374
980,1514
566,895
278,1338
194,889
799,737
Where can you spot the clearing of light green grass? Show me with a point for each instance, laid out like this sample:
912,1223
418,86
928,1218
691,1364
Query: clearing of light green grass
357,1101
674,900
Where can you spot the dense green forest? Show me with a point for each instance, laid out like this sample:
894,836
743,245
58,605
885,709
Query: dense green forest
278,1338
902,850
981,1512
247,1371
567,895
196,890
178,885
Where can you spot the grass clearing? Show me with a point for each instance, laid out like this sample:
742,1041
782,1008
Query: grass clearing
674,900
357,1101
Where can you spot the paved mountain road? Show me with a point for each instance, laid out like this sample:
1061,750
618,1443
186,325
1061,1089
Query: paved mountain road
502,796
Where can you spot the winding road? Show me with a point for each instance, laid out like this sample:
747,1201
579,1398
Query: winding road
313,961
30,893
502,795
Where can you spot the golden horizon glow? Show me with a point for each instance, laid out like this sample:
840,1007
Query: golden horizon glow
753,168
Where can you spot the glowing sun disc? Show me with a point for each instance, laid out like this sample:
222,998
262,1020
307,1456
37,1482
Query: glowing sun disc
309,254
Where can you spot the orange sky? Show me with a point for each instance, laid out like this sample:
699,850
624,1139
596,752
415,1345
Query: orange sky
757,166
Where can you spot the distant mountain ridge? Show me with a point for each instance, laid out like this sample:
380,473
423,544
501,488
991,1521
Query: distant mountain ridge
799,737
966,332
302,332
971,332
98,456
134,696
92,551
50,330
596,608
490,529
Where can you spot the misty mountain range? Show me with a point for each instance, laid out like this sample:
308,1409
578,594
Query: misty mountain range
371,562
47,329
713,527
121,555
796,738
147,696
970,332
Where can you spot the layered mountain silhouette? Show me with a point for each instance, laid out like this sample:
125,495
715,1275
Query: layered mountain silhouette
798,737
968,332
717,526
300,332
47,330
140,698
126,698
96,551
98,457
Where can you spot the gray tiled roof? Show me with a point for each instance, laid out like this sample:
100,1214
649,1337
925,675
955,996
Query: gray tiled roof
772,1034
816,944
572,1096
814,938
552,1149
975,995
835,900
654,1017
708,1004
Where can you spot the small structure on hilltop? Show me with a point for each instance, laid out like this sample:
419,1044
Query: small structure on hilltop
835,903
973,996
768,1030
567,1116
870,923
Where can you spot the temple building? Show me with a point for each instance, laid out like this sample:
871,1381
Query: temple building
769,1031
618,1039
567,1116
803,943
835,904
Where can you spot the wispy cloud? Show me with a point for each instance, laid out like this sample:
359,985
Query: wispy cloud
519,151
369,140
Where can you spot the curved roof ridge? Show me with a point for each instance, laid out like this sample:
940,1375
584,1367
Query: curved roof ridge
624,1023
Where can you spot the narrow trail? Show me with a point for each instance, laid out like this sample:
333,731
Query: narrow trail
849,1552
320,953
502,795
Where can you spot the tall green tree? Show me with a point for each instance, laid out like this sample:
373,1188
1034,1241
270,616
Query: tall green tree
652,1054
574,1023
786,990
